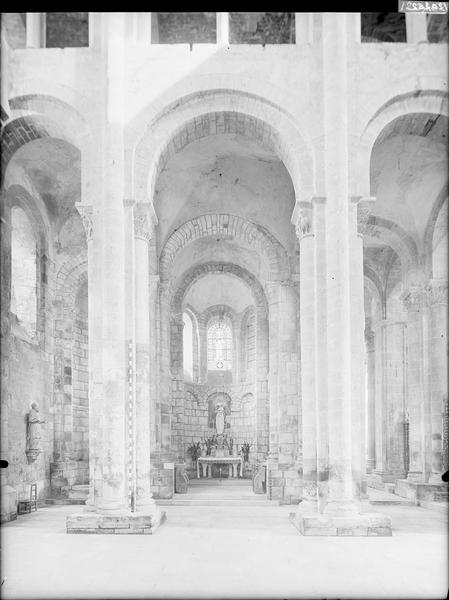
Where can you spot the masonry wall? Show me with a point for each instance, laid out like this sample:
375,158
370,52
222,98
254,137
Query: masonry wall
26,377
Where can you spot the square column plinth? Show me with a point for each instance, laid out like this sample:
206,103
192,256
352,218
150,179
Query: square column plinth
367,524
119,523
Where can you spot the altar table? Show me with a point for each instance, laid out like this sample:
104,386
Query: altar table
206,463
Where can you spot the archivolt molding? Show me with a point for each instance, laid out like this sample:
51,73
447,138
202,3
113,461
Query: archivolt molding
430,228
34,208
70,276
218,309
393,235
431,101
202,270
188,121
227,226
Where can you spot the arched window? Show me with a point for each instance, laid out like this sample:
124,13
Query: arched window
23,271
187,346
219,345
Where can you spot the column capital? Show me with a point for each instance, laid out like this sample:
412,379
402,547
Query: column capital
145,221
414,298
86,214
369,338
304,221
436,292
365,205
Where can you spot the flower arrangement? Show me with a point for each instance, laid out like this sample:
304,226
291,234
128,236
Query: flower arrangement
195,451
230,444
210,442
245,451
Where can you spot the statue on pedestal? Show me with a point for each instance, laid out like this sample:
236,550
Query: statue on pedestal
220,417
34,432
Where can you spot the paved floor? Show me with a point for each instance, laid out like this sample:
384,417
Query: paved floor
225,551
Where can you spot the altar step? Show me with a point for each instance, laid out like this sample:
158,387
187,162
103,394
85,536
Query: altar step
187,500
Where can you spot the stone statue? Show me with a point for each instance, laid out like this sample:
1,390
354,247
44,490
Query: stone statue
220,417
34,432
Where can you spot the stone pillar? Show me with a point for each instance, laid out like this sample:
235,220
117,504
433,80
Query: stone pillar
222,28
35,30
307,336
94,300
109,404
261,377
341,499
358,215
390,401
340,514
303,28
416,27
202,332
274,476
144,223
370,401
437,301
414,304
320,303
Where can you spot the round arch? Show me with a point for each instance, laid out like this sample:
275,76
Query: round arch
199,271
428,243
417,101
394,236
227,226
182,123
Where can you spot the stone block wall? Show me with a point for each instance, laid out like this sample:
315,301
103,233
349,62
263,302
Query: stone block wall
162,478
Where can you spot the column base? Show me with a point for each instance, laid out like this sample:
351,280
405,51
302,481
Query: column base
118,523
362,525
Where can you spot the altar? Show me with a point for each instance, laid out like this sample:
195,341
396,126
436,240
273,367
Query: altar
206,463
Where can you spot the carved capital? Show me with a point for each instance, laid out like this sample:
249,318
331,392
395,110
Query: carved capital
86,213
413,299
304,223
364,209
369,339
143,222
436,293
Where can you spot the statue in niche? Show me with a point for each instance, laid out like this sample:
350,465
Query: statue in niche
34,422
220,418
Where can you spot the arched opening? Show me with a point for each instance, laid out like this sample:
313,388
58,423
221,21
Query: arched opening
23,271
408,164
219,344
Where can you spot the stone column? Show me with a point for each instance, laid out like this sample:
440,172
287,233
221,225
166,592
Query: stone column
390,402
111,385
144,223
274,476
416,27
307,336
222,28
94,336
336,156
380,408
360,210
202,332
340,514
320,303
303,28
437,301
35,30
370,401
414,304
261,378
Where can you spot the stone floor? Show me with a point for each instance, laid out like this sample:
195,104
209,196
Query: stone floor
205,551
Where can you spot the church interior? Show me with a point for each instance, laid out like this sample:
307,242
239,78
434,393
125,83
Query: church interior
224,265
